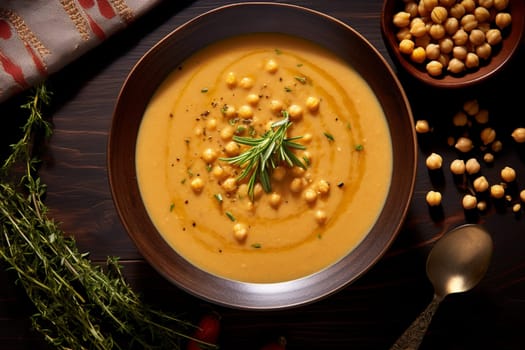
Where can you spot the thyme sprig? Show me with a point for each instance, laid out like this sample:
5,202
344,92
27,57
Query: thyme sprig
267,152
78,305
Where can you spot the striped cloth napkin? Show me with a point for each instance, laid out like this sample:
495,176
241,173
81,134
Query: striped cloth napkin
39,37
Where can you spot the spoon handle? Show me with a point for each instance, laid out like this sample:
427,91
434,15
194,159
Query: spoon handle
413,335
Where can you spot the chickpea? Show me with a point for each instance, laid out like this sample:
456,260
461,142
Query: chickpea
232,148
271,66
456,66
488,158
245,112
493,36
295,112
418,29
229,185
320,217
482,15
434,68
469,5
482,117
240,232
522,195
437,31
485,3
276,106
198,131
446,45
229,111
472,166
476,37
434,161
231,80
422,126
406,46
501,5
451,25
433,198
422,10
516,207
518,135
457,167
460,119
403,33
484,51
447,3
275,200
209,155
296,185
323,187
488,135
503,20
252,99
307,138
432,51
310,195
464,144
508,174
411,8
423,40
460,37
246,83
197,185
312,103
469,202
401,19
418,55
497,191
227,133
257,191
439,14
482,206
496,146
298,171
471,107
481,184
211,124
457,11
459,52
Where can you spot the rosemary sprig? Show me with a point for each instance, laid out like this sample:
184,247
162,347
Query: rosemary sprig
78,305
266,153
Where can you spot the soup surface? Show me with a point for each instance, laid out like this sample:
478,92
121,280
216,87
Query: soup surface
316,210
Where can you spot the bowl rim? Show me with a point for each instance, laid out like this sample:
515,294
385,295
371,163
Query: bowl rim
247,295
450,81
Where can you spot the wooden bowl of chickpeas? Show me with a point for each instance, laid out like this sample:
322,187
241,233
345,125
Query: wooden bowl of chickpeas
452,43
195,178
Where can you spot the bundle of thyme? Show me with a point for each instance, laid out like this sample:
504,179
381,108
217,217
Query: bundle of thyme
79,305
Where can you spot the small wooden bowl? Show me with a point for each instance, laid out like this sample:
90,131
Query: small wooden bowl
501,53
164,57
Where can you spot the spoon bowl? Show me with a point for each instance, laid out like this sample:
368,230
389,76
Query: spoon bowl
456,263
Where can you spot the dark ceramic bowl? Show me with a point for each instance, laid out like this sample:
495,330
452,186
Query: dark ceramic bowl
151,70
501,53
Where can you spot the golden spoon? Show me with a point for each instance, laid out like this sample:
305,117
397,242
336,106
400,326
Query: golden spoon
456,263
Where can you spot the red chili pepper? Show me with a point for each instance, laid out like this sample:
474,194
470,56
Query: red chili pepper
208,331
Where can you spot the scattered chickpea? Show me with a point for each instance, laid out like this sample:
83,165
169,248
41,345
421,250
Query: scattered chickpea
488,135
271,66
257,191
496,146
275,200
211,124
229,185
246,83
482,206
276,106
457,167
433,198
279,173
434,161
295,112
464,144
240,232
480,184
310,195
472,166
209,155
471,107
488,158
231,80
516,207
469,202
227,133
245,112
312,103
252,99
518,135
522,195
508,174
320,217
497,191
307,138
296,185
422,126
323,187
197,185
482,117
460,119
229,111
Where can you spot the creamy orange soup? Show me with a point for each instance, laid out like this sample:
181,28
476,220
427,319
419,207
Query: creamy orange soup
312,216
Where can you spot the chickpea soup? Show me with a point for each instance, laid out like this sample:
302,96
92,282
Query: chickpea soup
264,158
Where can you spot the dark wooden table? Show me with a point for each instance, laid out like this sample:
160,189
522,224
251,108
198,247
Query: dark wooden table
369,314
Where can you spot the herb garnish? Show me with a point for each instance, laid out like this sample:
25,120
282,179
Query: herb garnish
266,153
